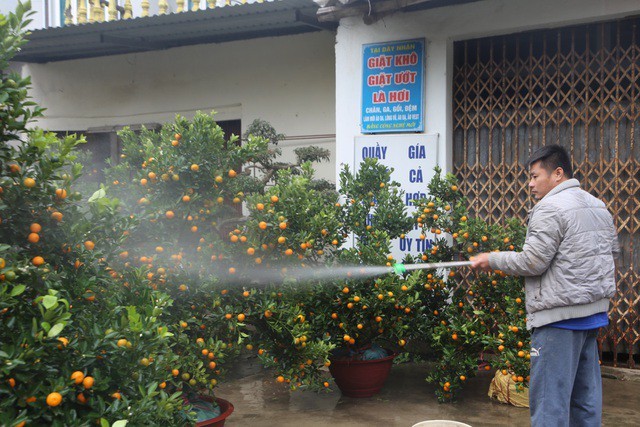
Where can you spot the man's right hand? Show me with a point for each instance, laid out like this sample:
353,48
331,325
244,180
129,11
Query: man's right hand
481,262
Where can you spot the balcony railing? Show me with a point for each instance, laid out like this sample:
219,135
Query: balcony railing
76,12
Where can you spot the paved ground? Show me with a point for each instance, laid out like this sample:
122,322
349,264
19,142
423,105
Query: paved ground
405,400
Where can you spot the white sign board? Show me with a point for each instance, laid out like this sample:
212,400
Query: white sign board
413,158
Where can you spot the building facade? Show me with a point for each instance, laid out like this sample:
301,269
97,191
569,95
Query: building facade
243,61
502,78
497,79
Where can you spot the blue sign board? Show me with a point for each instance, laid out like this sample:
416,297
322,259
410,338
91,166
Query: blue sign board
393,87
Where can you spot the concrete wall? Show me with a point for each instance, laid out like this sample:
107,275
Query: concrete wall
288,81
441,27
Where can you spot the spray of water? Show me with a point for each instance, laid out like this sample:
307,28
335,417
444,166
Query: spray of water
268,276
303,275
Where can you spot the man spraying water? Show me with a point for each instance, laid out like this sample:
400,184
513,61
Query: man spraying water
568,264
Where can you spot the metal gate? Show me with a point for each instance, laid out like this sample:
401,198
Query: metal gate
576,86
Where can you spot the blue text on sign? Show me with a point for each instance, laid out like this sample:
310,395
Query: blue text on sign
417,152
422,245
377,152
408,197
415,175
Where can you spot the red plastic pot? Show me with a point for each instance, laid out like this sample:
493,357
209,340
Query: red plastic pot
226,408
361,378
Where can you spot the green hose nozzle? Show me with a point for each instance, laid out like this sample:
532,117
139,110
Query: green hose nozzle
399,269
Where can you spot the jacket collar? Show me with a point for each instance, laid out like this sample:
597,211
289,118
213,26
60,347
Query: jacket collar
570,183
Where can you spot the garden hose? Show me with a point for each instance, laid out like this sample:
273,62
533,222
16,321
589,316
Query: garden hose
401,269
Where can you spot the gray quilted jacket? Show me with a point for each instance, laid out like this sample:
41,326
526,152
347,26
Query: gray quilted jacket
567,258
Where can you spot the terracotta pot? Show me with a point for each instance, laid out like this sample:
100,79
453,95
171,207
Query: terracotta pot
226,408
361,378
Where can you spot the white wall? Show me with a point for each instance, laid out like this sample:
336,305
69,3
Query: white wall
288,81
441,27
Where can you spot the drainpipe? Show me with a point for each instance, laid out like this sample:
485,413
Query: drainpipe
46,13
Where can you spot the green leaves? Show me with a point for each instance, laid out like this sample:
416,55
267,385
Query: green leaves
373,210
135,323
55,330
16,111
55,314
17,290
98,195
49,301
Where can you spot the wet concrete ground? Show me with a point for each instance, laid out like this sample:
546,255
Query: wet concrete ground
406,399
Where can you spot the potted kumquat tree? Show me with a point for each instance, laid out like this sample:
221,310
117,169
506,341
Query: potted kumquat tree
182,183
482,313
184,186
63,360
330,311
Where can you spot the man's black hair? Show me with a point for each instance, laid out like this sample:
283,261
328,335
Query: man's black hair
552,157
